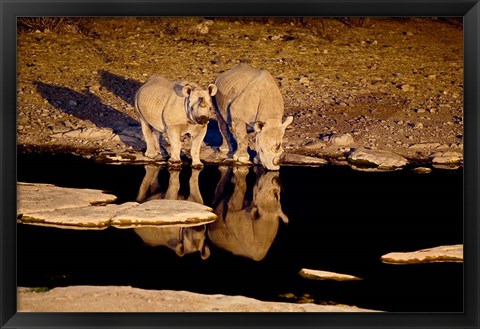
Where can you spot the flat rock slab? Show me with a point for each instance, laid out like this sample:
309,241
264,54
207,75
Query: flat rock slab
164,212
379,158
32,198
82,217
49,205
297,159
446,158
325,275
128,299
453,253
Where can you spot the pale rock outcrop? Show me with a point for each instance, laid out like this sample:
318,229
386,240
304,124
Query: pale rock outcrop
165,212
49,205
446,158
379,158
45,197
453,253
325,275
128,299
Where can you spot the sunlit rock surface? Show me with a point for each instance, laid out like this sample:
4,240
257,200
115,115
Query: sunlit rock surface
445,158
165,212
128,299
44,204
45,197
422,170
453,253
297,159
325,275
85,217
381,159
342,139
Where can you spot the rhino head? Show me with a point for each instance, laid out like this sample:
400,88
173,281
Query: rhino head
268,142
198,103
192,239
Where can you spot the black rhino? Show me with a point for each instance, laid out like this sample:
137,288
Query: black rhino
177,109
250,97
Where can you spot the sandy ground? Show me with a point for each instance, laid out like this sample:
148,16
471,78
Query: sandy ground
128,299
393,84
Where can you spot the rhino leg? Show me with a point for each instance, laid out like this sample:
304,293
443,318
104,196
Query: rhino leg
195,194
225,148
239,180
150,182
197,140
151,139
173,185
175,144
240,133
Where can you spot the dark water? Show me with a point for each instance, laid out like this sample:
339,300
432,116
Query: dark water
339,220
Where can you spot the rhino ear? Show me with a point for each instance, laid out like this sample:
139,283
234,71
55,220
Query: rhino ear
287,122
186,90
212,89
258,126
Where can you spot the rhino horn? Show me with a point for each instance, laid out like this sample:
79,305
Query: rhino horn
287,121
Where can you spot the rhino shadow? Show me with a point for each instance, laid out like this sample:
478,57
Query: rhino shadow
181,239
246,227
88,106
125,88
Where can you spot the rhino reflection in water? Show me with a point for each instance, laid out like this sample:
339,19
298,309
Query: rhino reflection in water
182,240
247,230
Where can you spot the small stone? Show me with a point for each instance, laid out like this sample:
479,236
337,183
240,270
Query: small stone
424,146
422,170
72,103
325,275
342,140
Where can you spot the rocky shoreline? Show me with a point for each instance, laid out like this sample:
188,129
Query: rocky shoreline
392,85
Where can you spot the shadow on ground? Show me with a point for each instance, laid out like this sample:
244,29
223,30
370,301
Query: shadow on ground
87,106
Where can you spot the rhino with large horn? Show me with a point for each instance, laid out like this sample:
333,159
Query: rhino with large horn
177,109
250,97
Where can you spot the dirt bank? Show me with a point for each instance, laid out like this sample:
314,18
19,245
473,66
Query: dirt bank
393,84
128,299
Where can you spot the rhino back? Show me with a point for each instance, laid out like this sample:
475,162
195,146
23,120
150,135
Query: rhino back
157,99
249,94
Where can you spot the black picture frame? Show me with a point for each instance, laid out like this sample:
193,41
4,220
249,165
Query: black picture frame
10,10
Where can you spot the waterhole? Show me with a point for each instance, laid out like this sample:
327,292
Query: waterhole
270,226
